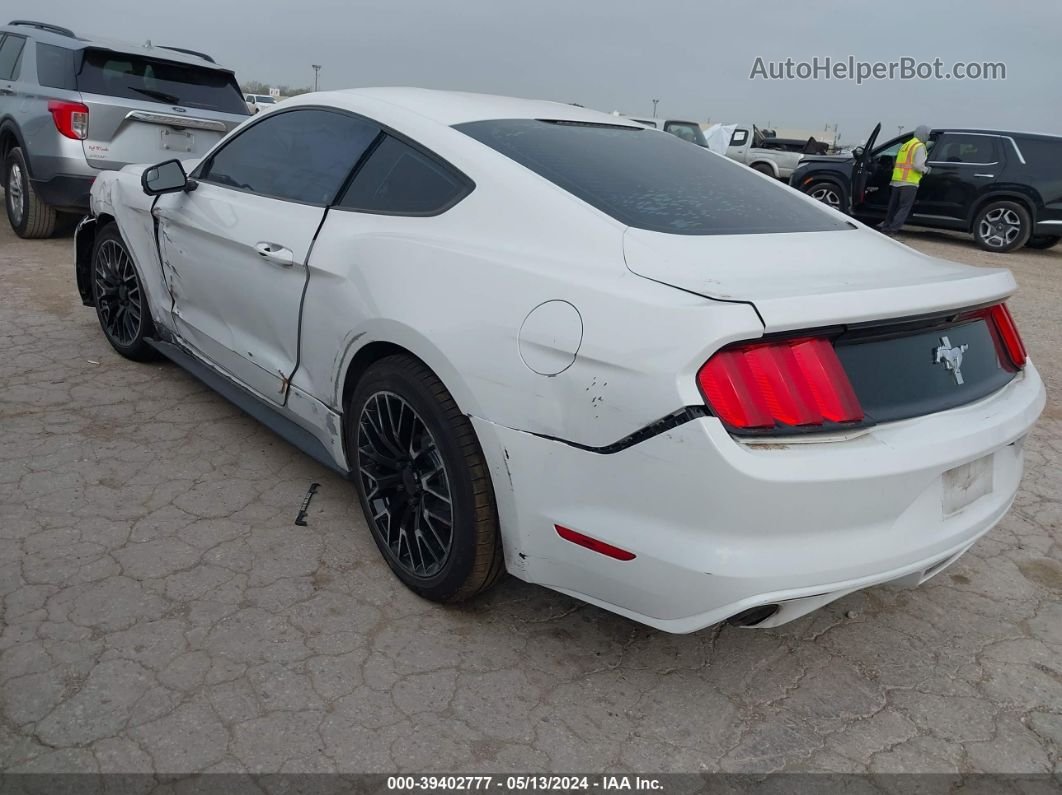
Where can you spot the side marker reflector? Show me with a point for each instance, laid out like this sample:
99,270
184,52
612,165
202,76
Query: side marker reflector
594,545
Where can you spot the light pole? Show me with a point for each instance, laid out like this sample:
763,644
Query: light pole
654,107
316,72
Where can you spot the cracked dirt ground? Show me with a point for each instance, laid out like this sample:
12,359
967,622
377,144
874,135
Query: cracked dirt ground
161,612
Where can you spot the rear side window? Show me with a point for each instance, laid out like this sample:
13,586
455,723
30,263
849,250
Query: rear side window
971,149
652,181
398,179
687,131
301,155
11,56
55,67
739,137
129,76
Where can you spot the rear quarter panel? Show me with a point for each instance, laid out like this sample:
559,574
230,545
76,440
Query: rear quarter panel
456,289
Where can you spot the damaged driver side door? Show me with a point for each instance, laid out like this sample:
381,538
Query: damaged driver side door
235,245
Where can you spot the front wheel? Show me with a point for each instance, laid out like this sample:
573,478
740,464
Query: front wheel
1002,226
827,193
423,482
121,304
1043,241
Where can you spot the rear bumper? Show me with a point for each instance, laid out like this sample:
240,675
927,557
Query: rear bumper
719,526
64,192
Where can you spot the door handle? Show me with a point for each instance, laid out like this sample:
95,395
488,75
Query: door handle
7,91
985,176
275,253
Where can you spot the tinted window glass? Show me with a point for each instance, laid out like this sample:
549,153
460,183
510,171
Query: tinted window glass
652,181
55,67
1043,154
115,74
957,148
687,131
10,56
739,137
401,180
300,155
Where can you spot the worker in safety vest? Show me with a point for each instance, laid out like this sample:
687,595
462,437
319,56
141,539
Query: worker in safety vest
907,172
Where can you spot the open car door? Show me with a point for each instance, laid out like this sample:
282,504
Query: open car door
861,168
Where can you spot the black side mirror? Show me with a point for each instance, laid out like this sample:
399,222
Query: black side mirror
168,177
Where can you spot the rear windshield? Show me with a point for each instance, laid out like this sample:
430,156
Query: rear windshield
115,74
652,180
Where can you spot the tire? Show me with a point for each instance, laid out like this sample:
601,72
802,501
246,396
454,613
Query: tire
826,192
1043,241
448,466
763,168
1002,226
28,215
120,300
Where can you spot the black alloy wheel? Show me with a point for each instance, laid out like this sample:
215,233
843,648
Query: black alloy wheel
121,304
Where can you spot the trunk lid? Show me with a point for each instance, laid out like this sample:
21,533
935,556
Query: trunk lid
813,279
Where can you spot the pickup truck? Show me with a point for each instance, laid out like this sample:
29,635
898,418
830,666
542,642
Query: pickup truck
763,152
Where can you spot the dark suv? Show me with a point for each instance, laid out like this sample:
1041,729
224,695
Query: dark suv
1005,188
72,106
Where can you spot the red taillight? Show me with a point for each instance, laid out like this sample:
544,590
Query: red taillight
794,382
1008,334
71,118
593,544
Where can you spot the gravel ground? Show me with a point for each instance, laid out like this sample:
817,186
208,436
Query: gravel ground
162,613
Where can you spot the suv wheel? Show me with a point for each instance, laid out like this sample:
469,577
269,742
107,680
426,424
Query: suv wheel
1043,241
1002,226
28,215
827,193
423,482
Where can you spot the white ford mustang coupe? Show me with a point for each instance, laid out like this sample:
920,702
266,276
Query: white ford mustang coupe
547,340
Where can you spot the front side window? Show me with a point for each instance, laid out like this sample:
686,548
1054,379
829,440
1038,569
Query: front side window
131,76
970,149
398,179
652,181
11,56
301,155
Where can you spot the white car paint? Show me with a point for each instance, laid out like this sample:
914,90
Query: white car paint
718,524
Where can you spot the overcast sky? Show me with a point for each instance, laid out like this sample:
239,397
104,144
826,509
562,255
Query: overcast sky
694,55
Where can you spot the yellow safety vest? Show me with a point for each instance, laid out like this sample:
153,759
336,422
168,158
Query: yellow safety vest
904,170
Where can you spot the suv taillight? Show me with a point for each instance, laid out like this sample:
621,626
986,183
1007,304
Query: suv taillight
71,118
788,383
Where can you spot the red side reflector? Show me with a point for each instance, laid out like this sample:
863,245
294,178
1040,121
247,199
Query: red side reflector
71,118
1008,333
593,544
794,382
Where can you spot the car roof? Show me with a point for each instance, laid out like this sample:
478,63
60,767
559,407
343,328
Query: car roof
458,107
1010,133
160,52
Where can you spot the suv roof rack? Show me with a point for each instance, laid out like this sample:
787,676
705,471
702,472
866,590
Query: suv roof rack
29,23
196,53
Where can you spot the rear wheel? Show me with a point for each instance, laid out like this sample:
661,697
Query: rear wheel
121,304
763,168
423,482
1002,226
827,193
27,214
1043,241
